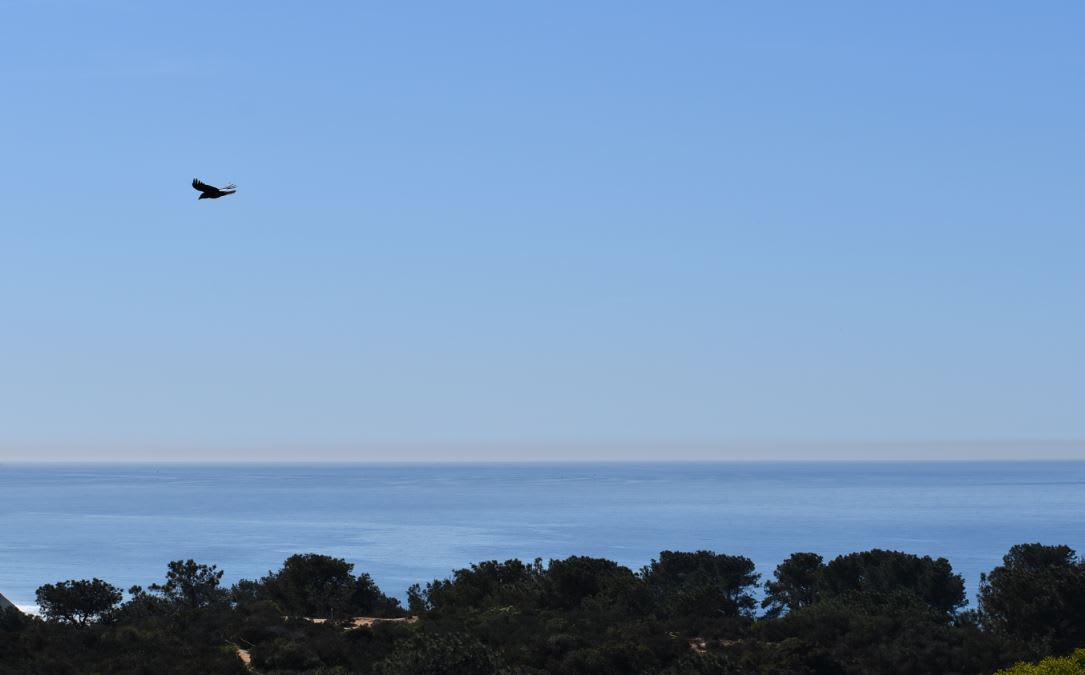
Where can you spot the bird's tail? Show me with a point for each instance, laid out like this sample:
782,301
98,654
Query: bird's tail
231,186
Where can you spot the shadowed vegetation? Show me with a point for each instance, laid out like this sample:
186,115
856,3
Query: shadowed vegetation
685,612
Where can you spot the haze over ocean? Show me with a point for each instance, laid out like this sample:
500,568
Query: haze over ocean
413,523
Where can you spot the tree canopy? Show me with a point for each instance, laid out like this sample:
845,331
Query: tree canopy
1036,595
78,602
872,611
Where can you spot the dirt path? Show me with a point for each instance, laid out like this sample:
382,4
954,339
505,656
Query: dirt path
367,621
246,658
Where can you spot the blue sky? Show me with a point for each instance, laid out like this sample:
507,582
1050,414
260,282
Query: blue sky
542,230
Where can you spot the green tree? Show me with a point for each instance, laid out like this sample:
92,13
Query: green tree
417,601
315,585
483,585
366,598
78,602
794,584
1037,595
568,582
701,584
190,585
874,632
879,571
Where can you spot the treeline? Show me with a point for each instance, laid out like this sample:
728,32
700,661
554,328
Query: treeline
686,612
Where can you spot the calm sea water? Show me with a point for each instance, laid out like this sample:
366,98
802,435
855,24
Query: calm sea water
412,523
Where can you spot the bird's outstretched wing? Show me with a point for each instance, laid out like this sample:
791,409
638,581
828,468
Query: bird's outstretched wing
204,187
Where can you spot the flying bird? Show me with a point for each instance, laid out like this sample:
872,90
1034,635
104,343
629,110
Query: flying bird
212,192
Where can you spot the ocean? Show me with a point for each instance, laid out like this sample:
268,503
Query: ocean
412,523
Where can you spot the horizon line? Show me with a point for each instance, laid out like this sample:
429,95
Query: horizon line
523,462
557,452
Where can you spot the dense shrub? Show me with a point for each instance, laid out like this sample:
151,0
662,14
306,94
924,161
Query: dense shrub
1037,595
1074,664
685,612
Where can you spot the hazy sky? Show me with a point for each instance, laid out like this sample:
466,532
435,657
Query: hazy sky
527,230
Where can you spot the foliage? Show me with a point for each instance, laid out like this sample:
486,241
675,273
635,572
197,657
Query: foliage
878,571
190,585
1074,664
484,585
1037,595
316,585
435,654
794,584
870,632
568,583
685,612
78,602
703,584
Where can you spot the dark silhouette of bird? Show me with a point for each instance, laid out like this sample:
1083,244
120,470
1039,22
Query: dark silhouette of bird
212,192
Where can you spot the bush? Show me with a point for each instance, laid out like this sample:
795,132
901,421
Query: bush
1073,664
